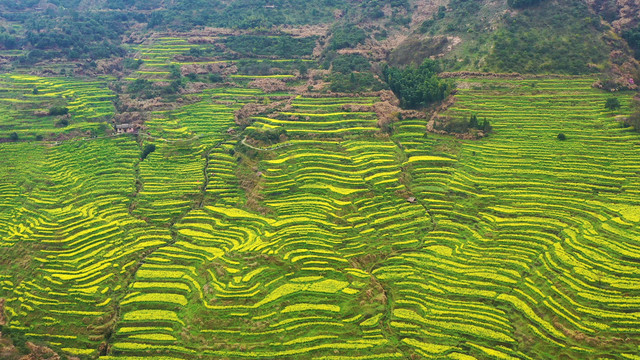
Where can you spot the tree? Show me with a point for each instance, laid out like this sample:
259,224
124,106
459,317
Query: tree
14,136
562,137
486,126
612,104
473,122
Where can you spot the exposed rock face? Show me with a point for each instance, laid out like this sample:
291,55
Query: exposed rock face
269,85
629,12
216,68
622,14
3,320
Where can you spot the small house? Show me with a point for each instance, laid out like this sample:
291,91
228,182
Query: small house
125,128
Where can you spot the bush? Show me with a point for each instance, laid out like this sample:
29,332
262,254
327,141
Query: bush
612,104
14,136
62,123
56,110
633,121
132,64
562,137
215,78
148,149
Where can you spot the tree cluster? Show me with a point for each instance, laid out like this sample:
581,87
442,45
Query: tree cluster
268,136
346,36
463,126
243,14
633,39
417,87
519,4
354,82
66,33
372,9
280,46
474,123
346,63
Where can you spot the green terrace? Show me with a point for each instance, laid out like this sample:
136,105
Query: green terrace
26,100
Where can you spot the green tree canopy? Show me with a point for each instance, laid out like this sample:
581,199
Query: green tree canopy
417,86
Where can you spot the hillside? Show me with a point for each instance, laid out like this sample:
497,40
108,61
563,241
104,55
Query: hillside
319,180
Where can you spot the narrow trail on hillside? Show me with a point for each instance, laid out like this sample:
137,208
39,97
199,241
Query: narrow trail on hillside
205,173
272,148
434,224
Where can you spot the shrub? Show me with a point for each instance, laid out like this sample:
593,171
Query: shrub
612,104
215,78
132,64
633,121
58,110
62,123
148,149
562,137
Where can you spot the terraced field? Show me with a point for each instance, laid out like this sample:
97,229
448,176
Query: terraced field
25,102
517,246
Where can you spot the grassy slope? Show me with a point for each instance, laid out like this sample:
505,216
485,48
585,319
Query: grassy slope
552,37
